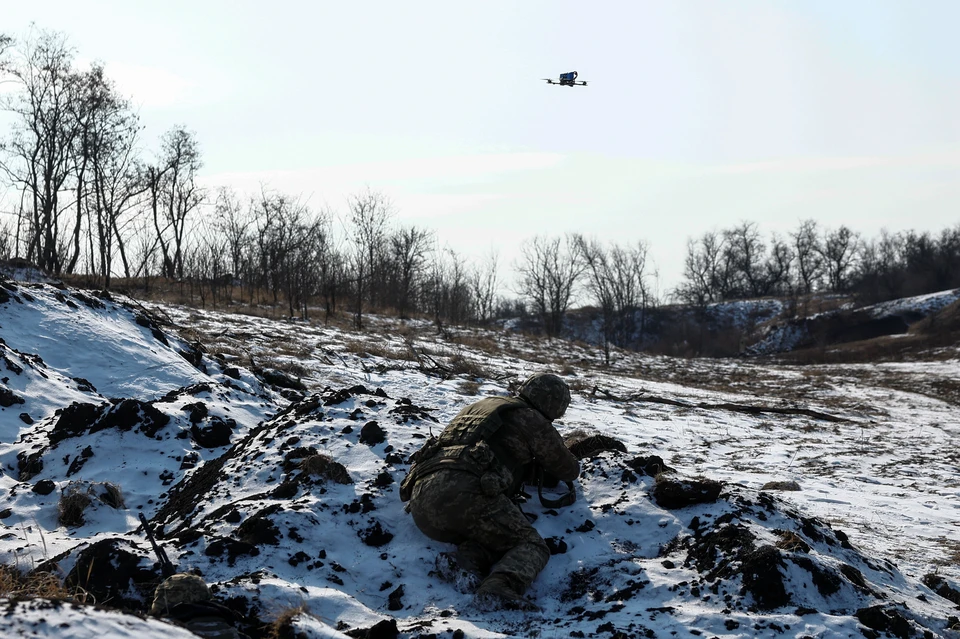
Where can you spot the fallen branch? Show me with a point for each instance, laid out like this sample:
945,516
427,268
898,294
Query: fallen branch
739,408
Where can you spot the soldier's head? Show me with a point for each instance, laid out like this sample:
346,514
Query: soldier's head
176,589
547,393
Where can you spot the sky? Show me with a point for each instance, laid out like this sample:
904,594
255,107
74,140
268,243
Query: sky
697,115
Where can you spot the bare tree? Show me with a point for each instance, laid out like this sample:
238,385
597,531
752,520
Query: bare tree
778,268
447,289
409,248
369,217
616,278
174,195
808,252
108,176
39,157
484,283
839,252
283,232
549,270
234,224
745,253
702,270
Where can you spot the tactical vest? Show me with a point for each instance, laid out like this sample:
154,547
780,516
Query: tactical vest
466,445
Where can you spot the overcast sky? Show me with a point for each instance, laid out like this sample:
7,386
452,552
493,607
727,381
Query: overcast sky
698,114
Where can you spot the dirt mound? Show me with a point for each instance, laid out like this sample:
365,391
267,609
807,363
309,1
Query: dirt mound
114,572
944,322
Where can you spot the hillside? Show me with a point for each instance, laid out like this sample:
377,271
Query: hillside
801,501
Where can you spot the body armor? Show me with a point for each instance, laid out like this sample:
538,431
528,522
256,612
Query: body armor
467,444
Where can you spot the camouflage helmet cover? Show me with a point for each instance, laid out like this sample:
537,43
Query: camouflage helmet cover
547,393
179,588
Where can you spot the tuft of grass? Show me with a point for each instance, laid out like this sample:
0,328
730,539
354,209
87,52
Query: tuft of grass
469,387
460,365
37,583
112,496
282,626
73,501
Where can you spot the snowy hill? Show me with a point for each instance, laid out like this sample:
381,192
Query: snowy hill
814,501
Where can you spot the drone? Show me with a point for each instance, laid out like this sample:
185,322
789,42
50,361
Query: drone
567,80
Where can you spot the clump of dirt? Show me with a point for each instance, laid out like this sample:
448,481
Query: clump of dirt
649,465
29,465
940,586
214,434
375,535
670,493
763,579
198,411
585,444
232,548
258,529
885,618
8,398
324,466
81,418
723,544
581,583
371,434
825,580
112,570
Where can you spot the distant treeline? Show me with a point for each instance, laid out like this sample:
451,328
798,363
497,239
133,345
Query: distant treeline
84,199
737,263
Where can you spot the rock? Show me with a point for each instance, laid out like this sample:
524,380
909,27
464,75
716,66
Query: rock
375,535
44,487
885,619
215,434
584,444
371,434
395,599
780,485
650,465
678,494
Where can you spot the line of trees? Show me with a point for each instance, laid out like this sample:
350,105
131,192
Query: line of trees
89,200
737,263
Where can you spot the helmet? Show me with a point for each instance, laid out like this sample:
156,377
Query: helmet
179,588
547,393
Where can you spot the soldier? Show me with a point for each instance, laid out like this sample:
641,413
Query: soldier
186,600
460,486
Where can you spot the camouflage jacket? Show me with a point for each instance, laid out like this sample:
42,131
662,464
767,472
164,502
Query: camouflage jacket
497,439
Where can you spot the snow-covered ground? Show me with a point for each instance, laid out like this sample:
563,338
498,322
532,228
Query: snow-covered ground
194,415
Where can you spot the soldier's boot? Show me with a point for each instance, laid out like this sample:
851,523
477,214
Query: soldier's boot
462,577
496,593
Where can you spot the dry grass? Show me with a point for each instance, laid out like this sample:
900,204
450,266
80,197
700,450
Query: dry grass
74,500
42,584
462,365
482,343
112,496
290,367
469,387
282,626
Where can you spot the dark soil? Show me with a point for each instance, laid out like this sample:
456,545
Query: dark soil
680,493
115,574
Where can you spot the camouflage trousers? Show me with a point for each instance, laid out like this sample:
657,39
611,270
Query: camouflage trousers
492,534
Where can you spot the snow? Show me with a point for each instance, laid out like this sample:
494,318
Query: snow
260,531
